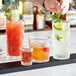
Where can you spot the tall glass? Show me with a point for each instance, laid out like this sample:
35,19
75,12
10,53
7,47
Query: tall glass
15,35
61,40
41,49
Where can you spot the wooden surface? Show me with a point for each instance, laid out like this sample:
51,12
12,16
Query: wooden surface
46,29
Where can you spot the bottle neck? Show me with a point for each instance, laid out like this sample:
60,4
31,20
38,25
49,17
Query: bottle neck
0,4
38,10
14,4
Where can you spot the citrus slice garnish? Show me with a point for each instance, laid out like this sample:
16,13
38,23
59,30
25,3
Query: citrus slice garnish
59,26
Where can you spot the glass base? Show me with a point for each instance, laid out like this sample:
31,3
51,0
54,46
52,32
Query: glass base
40,61
26,63
57,57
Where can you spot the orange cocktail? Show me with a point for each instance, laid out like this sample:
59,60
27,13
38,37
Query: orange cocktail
15,35
40,53
41,49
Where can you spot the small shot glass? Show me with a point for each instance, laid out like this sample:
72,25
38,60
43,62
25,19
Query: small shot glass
26,56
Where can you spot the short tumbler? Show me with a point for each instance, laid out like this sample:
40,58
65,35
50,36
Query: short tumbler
26,56
41,48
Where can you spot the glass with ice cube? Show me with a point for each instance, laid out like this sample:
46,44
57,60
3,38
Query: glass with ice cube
61,40
41,48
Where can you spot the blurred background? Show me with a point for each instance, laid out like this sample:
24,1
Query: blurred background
34,10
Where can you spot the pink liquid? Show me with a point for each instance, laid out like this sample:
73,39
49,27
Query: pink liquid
15,35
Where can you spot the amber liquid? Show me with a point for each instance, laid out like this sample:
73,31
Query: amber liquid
26,57
36,14
40,53
49,24
63,17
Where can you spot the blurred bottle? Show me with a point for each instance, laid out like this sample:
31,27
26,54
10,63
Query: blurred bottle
39,19
73,5
12,11
28,15
48,20
2,18
15,11
20,8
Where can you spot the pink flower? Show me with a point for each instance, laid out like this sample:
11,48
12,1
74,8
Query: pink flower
56,6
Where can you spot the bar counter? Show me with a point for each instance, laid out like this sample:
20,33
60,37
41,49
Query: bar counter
62,70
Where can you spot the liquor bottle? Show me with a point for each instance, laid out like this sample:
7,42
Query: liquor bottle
20,8
12,11
48,20
39,19
28,16
2,19
15,11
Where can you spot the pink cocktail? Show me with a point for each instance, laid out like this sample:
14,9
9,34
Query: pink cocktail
15,35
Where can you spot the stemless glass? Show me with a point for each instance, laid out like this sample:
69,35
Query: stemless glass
26,56
61,40
15,35
41,49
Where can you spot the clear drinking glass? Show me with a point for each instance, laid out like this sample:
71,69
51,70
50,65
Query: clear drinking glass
15,37
61,40
41,49
26,56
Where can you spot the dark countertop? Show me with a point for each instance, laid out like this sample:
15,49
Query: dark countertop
16,66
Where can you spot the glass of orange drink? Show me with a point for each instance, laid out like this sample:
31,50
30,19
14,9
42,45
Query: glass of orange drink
41,49
15,36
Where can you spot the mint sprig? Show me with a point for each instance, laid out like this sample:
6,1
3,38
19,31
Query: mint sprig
56,17
52,16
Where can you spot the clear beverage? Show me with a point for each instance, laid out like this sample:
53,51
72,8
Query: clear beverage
15,35
41,49
61,40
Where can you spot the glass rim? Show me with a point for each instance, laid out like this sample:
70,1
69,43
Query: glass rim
38,36
16,22
61,21
26,49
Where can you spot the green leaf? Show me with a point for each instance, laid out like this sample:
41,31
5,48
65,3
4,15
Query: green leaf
8,13
58,15
42,11
58,20
53,17
59,38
